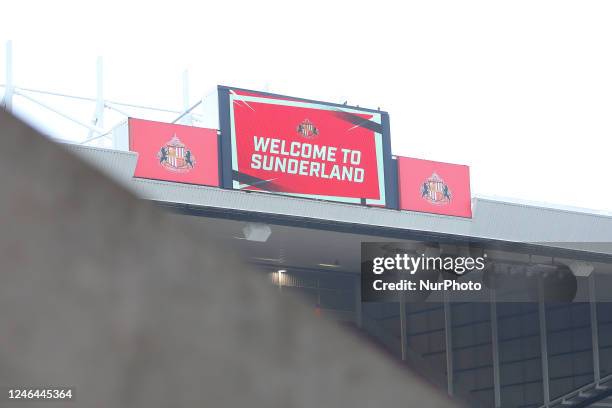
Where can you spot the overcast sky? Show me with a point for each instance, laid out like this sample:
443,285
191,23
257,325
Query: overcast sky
519,90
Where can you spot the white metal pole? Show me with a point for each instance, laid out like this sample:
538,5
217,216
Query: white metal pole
187,119
100,93
98,119
210,113
9,87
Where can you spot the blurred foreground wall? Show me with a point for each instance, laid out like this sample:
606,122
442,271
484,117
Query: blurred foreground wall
104,293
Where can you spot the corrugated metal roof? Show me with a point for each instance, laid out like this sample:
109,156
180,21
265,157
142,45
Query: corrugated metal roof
492,219
117,164
528,223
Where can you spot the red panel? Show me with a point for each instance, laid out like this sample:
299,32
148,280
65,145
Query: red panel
275,145
171,152
434,187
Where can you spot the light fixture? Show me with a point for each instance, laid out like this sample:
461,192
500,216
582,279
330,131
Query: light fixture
581,269
256,231
280,278
336,264
275,260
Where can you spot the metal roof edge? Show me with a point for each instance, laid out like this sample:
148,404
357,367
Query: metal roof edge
493,219
542,205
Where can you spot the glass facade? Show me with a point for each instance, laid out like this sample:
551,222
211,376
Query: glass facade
520,359
468,349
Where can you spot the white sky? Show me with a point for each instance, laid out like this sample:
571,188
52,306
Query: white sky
519,90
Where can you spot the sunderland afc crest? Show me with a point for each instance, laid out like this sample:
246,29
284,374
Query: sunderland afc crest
175,156
307,129
435,190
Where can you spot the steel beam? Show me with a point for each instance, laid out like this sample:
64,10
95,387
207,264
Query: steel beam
62,114
403,334
543,344
84,98
358,311
186,114
495,350
594,328
449,345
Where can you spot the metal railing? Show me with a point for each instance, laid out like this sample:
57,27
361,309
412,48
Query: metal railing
96,125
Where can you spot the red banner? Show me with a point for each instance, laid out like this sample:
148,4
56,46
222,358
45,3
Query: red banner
171,152
306,148
434,187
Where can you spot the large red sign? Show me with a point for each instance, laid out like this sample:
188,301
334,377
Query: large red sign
171,152
434,187
306,148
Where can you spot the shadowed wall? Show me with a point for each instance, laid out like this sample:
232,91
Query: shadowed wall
105,293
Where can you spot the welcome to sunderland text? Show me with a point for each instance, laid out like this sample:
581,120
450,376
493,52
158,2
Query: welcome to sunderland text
299,158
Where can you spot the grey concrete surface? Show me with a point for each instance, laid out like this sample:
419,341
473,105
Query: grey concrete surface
105,293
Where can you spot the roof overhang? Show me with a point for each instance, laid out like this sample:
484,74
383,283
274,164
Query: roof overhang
507,225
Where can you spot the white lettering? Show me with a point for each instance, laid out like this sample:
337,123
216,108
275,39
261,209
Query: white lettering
256,161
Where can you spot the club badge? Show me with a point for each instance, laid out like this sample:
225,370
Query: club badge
435,190
176,157
307,129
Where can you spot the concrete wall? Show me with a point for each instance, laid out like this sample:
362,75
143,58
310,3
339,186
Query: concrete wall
103,292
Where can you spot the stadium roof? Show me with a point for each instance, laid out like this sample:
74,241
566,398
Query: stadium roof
503,222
